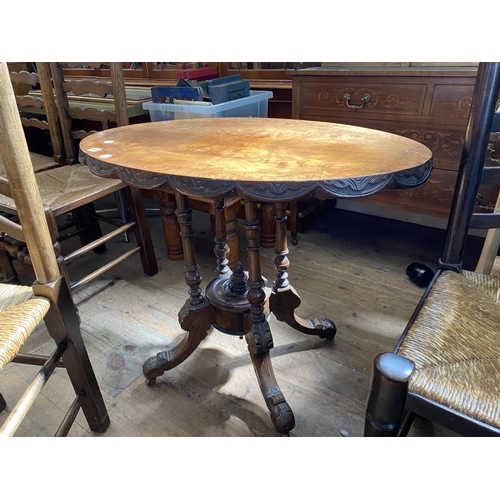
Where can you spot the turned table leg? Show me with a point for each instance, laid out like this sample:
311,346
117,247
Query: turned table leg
257,331
284,298
171,230
196,316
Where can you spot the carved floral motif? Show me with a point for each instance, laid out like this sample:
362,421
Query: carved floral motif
435,140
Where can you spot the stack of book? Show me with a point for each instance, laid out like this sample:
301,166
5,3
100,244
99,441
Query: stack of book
207,92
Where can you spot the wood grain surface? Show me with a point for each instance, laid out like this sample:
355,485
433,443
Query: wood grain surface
255,149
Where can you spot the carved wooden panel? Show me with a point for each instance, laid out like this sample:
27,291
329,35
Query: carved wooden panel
350,96
452,101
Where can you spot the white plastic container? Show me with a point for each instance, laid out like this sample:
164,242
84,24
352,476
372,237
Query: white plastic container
255,105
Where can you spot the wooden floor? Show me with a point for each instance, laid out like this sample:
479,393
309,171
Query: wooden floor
348,267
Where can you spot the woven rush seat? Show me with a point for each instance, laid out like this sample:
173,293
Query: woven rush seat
20,313
445,366
60,188
455,345
40,163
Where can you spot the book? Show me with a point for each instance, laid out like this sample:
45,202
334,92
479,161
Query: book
168,94
183,82
229,91
221,80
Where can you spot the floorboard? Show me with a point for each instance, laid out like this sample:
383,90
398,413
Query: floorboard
346,266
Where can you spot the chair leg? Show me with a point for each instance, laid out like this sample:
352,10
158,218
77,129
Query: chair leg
123,211
3,403
63,326
8,269
406,423
135,203
388,390
86,217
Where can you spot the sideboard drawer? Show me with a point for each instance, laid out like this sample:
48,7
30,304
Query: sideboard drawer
364,97
451,101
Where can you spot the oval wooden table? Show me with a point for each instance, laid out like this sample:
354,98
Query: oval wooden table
261,160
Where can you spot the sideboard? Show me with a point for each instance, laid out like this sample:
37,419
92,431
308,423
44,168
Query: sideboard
430,105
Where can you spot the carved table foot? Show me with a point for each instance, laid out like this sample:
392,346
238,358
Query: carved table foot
259,342
283,304
196,320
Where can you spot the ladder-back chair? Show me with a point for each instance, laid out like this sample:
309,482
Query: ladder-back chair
34,107
72,189
22,308
446,365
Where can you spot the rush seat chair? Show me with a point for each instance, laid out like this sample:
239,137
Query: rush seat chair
446,365
22,308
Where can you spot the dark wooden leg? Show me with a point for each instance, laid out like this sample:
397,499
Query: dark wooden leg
257,331
387,396
221,249
406,423
293,220
232,234
135,205
3,403
86,217
196,316
7,267
284,299
171,229
63,326
268,225
231,223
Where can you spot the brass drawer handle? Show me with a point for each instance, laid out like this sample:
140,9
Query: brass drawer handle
491,149
346,97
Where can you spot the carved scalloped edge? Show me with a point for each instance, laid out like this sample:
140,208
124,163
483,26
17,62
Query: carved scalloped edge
207,188
262,191
136,178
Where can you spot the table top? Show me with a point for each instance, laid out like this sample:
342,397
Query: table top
261,158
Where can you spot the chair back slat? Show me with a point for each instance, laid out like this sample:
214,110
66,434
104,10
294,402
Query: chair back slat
24,77
495,127
35,123
95,114
21,177
115,91
490,175
24,101
83,87
485,221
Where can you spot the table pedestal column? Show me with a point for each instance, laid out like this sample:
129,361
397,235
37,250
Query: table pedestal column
241,307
